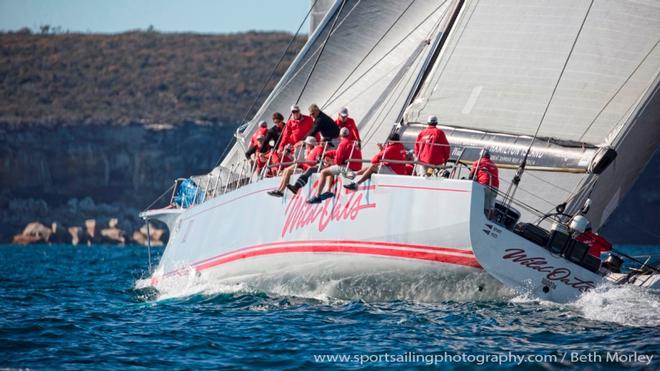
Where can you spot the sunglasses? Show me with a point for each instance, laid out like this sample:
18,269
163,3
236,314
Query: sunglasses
295,111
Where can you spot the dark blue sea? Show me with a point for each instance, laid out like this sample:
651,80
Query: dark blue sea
65,307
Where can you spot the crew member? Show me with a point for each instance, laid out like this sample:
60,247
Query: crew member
597,244
255,140
296,128
304,177
312,153
485,172
394,151
347,155
343,121
323,124
431,147
273,134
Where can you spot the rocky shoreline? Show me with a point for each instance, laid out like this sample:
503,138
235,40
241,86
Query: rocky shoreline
90,234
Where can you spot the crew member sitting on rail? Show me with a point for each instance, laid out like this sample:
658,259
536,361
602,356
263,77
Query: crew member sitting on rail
312,154
343,121
394,151
319,151
431,147
597,244
255,140
323,124
279,161
273,134
485,172
296,128
347,155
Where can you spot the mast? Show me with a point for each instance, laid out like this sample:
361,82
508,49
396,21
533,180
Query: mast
432,56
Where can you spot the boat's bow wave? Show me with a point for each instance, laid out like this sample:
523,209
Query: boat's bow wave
423,287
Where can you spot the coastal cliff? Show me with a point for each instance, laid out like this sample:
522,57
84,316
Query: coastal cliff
95,127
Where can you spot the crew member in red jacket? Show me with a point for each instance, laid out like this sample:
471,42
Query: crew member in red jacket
255,140
313,152
343,121
347,155
393,151
597,244
296,128
431,147
485,172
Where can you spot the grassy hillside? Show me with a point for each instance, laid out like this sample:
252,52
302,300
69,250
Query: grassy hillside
136,77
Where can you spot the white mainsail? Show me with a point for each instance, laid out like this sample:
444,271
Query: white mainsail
503,59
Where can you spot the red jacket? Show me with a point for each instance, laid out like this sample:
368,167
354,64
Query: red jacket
313,155
392,151
432,146
353,133
254,140
295,130
596,243
487,174
344,150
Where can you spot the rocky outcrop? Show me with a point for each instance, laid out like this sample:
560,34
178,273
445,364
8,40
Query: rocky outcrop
112,234
141,236
34,232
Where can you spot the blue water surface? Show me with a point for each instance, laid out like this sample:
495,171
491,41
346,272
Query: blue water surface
65,307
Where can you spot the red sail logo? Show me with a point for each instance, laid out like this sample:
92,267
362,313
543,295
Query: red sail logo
346,205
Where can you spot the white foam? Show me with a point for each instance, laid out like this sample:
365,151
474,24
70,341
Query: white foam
626,305
430,287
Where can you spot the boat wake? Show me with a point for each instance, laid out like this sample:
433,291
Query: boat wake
430,287
626,305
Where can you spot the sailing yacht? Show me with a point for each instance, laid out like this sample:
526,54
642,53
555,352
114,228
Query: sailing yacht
563,94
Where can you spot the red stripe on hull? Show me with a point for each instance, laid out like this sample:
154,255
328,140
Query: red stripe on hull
467,261
340,242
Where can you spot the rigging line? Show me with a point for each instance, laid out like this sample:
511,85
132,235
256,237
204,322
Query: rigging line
374,128
272,73
451,54
549,183
325,42
323,106
415,66
312,54
302,23
618,90
386,54
534,195
631,108
554,90
412,62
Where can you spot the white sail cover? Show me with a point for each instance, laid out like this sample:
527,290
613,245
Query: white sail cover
369,64
504,58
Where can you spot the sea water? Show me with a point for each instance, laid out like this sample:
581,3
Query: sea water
65,307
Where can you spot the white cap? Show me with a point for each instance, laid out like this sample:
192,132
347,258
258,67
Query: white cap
343,112
310,141
295,108
343,132
432,119
263,124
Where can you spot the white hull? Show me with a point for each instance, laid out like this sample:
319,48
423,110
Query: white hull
531,269
393,224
